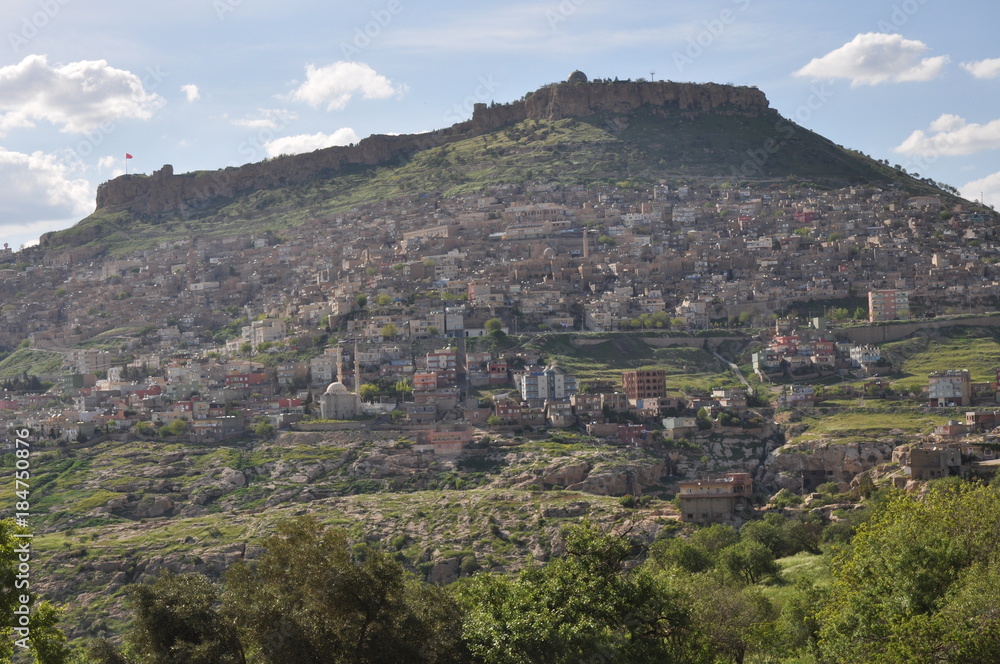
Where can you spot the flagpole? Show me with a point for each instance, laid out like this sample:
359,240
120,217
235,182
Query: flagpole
126,164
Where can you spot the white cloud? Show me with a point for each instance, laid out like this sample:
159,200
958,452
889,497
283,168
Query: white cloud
983,68
191,92
334,85
309,142
951,135
268,118
80,96
948,122
986,189
39,186
872,58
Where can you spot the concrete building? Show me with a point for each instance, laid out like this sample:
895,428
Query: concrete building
949,388
888,304
548,384
715,499
644,384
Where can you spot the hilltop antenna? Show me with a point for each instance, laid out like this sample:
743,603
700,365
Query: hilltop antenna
652,76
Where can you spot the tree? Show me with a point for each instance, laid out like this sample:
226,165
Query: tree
703,419
493,421
587,605
368,392
309,600
144,428
177,427
361,301
732,623
403,388
383,300
389,331
917,579
432,330
749,561
264,429
174,621
493,325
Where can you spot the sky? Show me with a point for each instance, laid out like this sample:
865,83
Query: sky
205,84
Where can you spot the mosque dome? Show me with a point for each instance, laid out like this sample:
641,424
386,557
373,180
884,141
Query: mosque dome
577,77
336,388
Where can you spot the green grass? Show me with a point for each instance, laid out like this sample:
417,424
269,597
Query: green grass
590,151
975,349
34,362
688,369
850,424
800,567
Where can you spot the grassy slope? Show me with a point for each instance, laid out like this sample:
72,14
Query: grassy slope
35,362
975,349
563,152
689,370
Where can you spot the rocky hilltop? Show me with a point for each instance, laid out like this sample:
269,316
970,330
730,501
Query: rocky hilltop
165,191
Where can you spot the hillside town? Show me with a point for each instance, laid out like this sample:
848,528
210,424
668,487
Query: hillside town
382,312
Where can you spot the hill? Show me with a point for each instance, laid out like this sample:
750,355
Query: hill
560,135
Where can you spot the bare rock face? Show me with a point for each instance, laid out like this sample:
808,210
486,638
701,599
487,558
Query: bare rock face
565,475
620,480
574,100
844,461
187,193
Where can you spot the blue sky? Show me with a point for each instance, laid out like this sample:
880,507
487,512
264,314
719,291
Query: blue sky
204,84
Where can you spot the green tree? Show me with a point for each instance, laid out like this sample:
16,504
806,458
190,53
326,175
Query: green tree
368,391
732,623
144,428
174,621
308,600
177,427
493,325
749,561
587,605
361,301
47,642
383,300
915,582
389,331
264,429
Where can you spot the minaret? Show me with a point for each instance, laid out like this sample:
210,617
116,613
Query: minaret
586,246
357,371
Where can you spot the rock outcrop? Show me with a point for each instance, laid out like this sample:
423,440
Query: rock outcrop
839,460
187,193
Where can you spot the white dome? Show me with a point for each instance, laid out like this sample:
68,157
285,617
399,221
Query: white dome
336,388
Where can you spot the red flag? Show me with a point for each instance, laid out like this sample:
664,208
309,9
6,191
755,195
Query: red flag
128,156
